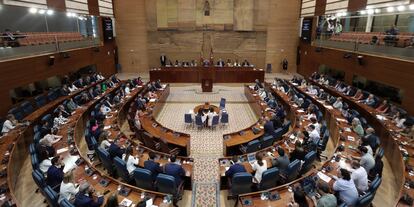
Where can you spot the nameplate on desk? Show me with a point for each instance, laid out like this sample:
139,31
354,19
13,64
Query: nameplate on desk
300,111
107,127
351,138
154,125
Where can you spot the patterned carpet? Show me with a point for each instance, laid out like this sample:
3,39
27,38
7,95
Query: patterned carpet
206,144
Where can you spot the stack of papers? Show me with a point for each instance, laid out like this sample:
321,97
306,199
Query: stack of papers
125,202
324,177
152,100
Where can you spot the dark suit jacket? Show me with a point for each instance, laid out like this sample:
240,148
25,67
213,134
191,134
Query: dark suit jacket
174,170
115,151
81,200
54,176
154,167
236,168
268,128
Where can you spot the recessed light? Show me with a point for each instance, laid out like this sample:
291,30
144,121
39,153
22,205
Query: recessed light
33,10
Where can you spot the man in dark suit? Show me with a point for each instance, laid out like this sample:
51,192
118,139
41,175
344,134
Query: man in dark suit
220,63
174,170
235,168
152,166
268,127
115,150
84,197
55,172
163,60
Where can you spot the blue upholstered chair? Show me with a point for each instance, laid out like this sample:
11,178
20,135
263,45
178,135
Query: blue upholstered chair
143,178
270,178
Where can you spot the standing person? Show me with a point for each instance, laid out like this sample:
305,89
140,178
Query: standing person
345,186
285,64
130,160
84,198
163,60
259,166
175,170
327,199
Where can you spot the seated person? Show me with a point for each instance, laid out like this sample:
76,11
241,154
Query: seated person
399,120
315,123
366,161
314,136
84,198
327,199
370,139
298,153
338,103
210,116
236,167
55,172
377,169
359,176
59,120
9,124
104,109
357,127
127,89
345,186
245,63
282,161
64,91
68,189
350,91
130,160
72,88
62,109
49,140
370,101
358,95
115,150
383,107
152,166
71,105
268,126
220,63
174,170
259,166
299,197
228,63
236,63
312,90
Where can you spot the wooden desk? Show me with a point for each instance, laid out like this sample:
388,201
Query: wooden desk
390,140
150,125
330,114
197,74
77,122
23,137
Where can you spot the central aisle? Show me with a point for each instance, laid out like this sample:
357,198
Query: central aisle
206,144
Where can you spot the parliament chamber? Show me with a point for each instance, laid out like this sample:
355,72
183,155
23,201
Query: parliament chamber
146,103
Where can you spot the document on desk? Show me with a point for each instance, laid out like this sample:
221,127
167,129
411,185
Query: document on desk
300,110
125,202
152,100
324,177
341,120
107,127
70,163
347,129
329,107
62,150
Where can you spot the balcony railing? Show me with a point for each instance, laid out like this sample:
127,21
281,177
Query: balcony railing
36,43
396,46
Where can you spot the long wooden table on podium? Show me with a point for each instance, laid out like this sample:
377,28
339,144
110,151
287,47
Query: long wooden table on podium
206,75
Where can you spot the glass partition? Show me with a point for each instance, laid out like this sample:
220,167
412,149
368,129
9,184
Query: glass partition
389,34
32,31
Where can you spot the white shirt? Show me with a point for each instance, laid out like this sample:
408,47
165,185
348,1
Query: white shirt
68,191
314,136
49,139
127,90
131,162
58,121
399,122
259,170
105,144
210,118
360,178
105,109
72,88
44,165
338,104
7,126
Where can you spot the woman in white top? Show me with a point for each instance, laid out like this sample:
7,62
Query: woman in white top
44,165
72,88
104,109
68,189
9,124
59,120
50,139
127,89
103,139
210,116
130,160
259,166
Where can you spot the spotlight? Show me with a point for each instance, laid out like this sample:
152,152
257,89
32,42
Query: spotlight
370,11
33,10
390,9
377,11
401,8
363,12
42,11
50,12
411,7
68,14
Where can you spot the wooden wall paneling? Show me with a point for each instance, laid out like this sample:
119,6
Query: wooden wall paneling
186,14
162,14
151,14
261,15
132,35
282,34
392,72
243,15
57,5
320,7
93,7
25,71
172,14
356,5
